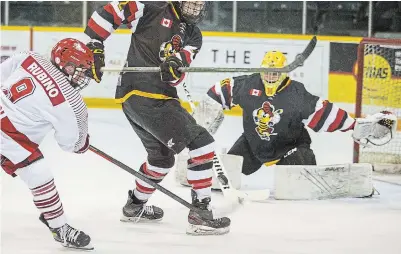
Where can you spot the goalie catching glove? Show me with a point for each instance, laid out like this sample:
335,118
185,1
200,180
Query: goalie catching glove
377,129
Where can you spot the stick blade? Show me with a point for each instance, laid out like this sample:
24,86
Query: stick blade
300,58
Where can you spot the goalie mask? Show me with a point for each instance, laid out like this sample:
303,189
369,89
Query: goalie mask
192,12
73,58
272,80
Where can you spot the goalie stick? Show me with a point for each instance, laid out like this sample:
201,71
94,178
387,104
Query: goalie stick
299,61
204,213
222,176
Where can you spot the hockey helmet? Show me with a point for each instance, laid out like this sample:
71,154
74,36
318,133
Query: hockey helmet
272,80
73,58
192,12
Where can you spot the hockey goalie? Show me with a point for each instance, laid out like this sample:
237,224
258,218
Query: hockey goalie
276,112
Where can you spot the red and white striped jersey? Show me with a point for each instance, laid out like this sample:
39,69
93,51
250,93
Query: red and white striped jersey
36,98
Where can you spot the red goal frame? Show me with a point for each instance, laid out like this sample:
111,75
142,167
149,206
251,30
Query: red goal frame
359,78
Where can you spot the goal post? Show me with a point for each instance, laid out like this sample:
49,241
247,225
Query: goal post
379,88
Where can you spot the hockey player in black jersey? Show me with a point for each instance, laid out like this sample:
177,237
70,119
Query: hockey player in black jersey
165,35
276,111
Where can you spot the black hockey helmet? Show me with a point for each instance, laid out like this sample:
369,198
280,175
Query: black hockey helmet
192,12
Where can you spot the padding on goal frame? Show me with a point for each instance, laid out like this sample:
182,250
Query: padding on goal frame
359,93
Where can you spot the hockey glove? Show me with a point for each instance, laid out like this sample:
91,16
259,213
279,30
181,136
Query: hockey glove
169,69
377,129
85,147
98,53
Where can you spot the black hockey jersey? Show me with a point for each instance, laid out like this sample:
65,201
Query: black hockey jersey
157,33
275,125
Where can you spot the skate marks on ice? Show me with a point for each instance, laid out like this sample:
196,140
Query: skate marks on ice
388,178
94,191
278,227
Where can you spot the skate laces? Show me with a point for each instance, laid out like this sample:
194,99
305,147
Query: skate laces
147,210
70,234
218,219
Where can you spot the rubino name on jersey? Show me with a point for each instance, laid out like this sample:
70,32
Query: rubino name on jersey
44,79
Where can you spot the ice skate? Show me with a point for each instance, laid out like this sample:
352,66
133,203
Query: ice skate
137,211
201,226
69,237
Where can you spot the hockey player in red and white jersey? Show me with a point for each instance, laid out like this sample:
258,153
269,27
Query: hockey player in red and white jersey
38,96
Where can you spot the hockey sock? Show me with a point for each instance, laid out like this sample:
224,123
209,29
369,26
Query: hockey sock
39,179
200,170
143,191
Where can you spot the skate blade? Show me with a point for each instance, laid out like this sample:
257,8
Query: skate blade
136,220
204,230
87,247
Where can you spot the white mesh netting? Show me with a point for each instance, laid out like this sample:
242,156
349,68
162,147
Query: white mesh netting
381,90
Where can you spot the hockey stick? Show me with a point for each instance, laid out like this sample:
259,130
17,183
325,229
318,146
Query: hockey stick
222,176
204,213
299,61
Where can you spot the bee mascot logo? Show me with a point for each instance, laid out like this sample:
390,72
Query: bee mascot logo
265,118
170,47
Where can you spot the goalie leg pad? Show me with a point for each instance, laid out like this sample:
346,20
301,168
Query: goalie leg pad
323,182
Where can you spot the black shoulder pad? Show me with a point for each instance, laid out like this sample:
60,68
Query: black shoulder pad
244,78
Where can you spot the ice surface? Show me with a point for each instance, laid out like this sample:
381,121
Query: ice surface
93,192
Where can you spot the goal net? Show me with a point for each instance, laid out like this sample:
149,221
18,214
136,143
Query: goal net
379,88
